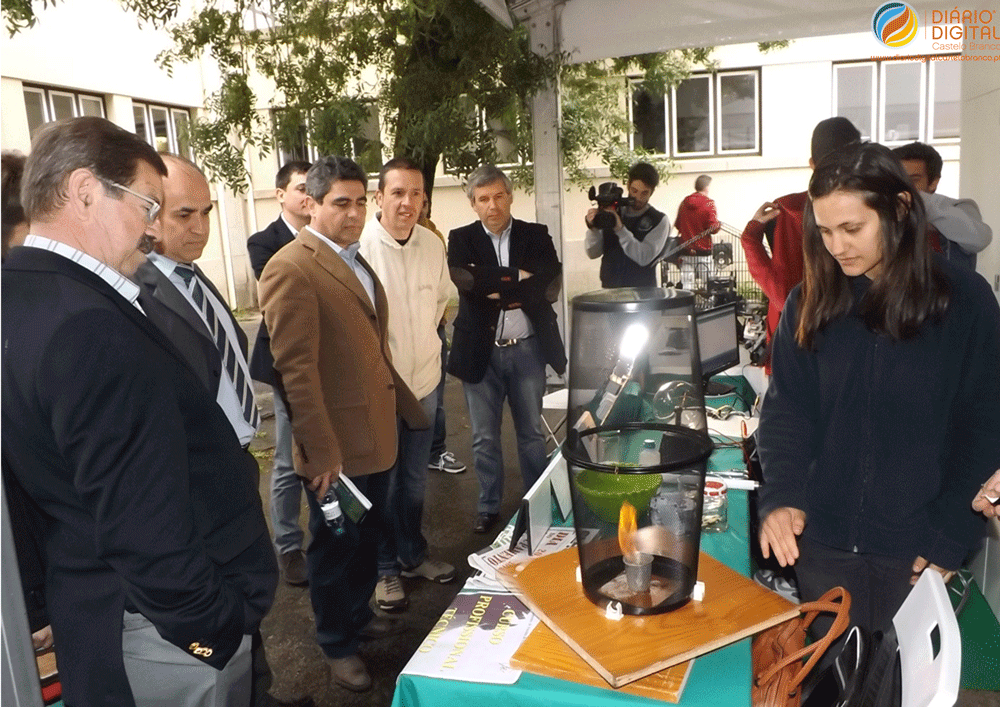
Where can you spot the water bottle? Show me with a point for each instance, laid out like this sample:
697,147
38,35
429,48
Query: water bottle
331,511
649,455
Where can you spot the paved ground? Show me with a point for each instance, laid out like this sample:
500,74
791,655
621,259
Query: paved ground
289,631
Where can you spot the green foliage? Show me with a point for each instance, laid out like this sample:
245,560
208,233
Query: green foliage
450,84
19,14
765,47
444,76
595,119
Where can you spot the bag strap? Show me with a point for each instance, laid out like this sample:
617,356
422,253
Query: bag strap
809,611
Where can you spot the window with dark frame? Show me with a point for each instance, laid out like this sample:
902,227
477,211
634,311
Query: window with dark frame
705,115
164,127
899,102
44,105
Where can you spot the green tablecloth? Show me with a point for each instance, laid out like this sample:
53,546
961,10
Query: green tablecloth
718,678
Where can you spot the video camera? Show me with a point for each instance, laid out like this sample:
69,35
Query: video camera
608,195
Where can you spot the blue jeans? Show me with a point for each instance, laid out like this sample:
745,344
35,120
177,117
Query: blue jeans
342,570
404,543
286,489
516,373
439,446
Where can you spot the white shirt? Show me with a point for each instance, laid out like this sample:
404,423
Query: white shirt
227,396
121,284
512,323
285,221
349,256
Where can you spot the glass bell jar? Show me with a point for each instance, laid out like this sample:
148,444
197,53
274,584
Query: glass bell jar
637,446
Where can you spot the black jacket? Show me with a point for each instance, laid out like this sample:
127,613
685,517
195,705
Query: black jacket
184,326
476,272
884,444
261,246
150,504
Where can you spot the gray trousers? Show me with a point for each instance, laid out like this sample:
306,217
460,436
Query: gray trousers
162,675
286,487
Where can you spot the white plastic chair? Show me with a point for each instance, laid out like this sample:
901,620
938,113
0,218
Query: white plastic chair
928,680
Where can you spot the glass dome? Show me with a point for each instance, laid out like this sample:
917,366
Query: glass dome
637,446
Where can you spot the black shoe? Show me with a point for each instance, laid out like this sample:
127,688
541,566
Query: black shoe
297,702
293,565
382,627
350,672
484,522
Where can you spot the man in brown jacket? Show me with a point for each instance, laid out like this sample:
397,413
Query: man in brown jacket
326,311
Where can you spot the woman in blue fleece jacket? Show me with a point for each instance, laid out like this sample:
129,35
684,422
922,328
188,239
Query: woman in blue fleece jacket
879,422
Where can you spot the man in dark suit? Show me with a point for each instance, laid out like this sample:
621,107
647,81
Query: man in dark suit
198,321
507,273
160,569
286,489
327,314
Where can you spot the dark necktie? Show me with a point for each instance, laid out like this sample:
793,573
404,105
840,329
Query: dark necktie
243,390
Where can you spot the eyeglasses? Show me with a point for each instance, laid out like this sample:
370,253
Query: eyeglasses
152,211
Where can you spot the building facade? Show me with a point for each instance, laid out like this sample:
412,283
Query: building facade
747,123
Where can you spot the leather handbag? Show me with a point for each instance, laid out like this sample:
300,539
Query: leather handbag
779,651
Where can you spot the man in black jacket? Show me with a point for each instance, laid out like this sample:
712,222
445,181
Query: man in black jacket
286,489
200,324
508,274
160,568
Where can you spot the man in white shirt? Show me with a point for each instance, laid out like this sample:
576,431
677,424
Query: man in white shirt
410,262
198,321
219,351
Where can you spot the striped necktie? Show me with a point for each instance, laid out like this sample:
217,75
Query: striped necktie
218,332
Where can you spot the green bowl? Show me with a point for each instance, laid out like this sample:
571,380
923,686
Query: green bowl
604,492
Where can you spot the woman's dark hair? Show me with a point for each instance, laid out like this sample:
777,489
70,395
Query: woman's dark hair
909,288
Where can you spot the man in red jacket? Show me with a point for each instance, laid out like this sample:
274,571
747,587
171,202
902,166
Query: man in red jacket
696,222
778,269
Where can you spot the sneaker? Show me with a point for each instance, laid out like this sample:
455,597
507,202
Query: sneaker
440,572
389,594
447,463
778,584
382,627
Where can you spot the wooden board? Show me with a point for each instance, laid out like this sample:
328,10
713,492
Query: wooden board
636,646
544,653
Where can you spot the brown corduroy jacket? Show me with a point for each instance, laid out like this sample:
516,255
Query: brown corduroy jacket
332,356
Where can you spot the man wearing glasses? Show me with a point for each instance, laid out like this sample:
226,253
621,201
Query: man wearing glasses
159,564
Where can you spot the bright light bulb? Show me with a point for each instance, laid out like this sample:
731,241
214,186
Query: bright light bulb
634,340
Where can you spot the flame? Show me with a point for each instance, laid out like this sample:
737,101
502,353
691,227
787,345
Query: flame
627,528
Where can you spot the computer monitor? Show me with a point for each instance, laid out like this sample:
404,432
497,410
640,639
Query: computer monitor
719,344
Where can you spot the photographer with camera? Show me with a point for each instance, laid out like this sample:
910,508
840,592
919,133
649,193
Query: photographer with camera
628,232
